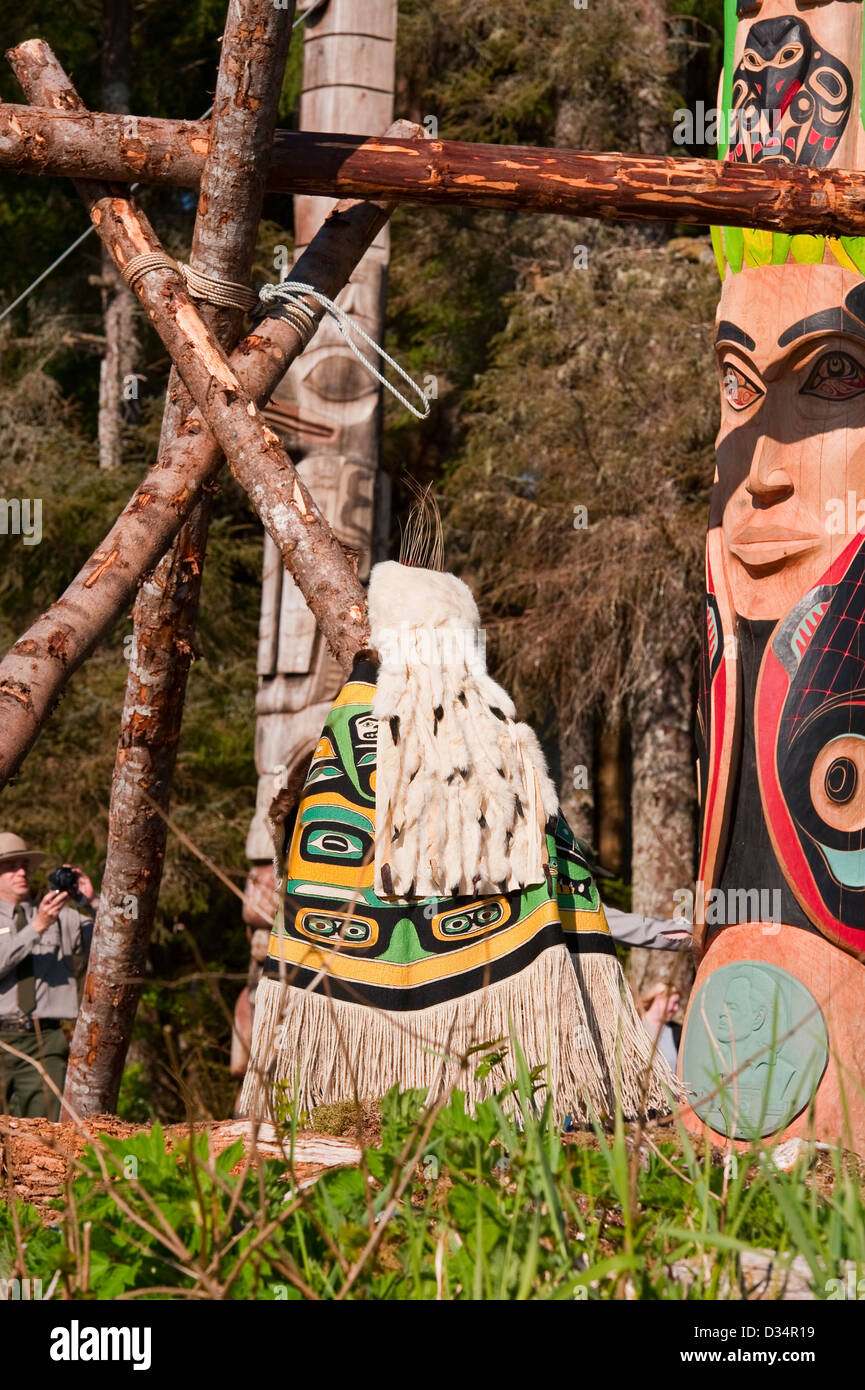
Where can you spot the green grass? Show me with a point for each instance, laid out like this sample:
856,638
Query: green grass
449,1206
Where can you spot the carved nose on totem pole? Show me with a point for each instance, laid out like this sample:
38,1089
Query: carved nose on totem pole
768,480
774,1038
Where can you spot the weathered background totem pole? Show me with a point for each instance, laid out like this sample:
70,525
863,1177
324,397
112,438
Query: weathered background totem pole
328,412
778,1008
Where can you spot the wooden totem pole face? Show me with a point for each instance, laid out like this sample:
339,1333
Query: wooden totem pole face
791,449
786,556
781,723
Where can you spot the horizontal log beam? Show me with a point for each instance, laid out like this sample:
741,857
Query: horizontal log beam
448,173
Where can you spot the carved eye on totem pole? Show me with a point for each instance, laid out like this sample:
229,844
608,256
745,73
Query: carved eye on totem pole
329,377
791,97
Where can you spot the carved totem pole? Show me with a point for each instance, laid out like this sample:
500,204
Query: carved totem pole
328,411
774,1040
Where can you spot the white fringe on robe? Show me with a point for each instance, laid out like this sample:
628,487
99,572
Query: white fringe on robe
573,1017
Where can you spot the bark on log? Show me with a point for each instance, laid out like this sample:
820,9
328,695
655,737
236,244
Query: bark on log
34,672
251,69
118,308
450,173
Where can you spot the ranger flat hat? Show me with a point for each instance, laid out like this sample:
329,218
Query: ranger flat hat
13,847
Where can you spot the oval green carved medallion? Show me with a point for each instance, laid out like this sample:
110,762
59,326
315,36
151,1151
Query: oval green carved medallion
754,1050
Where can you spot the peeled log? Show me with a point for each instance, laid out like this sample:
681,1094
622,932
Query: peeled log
450,173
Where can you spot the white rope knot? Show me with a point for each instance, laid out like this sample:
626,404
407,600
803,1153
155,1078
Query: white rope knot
304,318
225,294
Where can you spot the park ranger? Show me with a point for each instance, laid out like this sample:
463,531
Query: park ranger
41,946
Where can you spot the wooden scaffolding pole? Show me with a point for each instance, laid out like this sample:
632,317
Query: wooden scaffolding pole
252,64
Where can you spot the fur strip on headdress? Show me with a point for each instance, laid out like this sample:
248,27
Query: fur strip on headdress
462,789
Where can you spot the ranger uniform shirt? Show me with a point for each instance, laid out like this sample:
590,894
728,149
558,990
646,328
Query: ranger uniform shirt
56,954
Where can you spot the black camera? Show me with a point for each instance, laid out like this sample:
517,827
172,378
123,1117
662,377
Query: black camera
65,880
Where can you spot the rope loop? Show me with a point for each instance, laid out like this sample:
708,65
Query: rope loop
227,294
289,293
143,264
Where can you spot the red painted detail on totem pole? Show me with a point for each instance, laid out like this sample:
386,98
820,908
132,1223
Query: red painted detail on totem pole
773,686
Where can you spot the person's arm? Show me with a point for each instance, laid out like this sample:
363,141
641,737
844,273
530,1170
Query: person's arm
656,933
16,946
77,934
85,936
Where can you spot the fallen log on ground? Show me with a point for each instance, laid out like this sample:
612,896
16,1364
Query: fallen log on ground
38,1156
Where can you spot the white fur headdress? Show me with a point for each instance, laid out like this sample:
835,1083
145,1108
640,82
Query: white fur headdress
462,790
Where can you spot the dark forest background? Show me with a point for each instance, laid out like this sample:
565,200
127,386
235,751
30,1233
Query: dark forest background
559,388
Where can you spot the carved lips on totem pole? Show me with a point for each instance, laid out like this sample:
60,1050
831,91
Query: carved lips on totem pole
774,1040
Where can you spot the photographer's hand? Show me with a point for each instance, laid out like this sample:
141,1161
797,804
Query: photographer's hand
85,885
48,911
